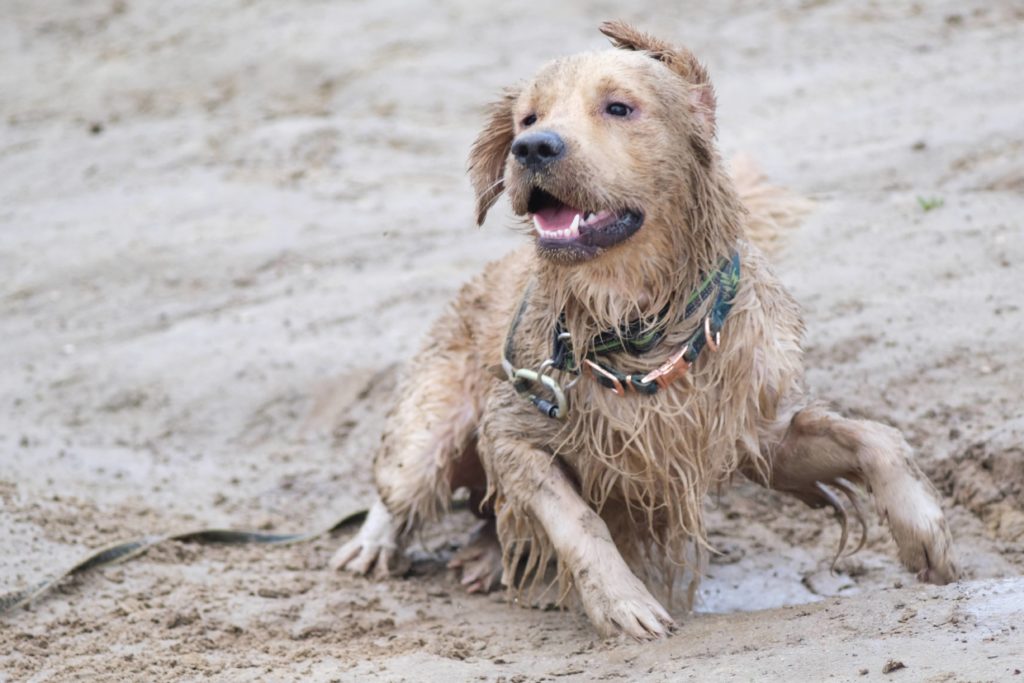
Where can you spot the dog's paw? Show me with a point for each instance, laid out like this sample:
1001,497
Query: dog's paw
925,543
907,501
480,560
366,558
374,548
624,606
640,617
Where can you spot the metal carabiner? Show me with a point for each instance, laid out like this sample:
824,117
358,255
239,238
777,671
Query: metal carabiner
561,407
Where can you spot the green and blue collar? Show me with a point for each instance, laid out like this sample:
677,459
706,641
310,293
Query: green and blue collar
636,339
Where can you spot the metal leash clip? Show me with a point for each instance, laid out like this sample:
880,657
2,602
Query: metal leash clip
557,409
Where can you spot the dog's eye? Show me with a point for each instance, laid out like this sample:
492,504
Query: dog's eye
529,120
618,109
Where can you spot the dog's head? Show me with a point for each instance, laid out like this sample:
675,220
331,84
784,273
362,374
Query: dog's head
601,149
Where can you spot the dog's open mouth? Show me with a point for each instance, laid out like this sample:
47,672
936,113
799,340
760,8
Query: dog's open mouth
581,232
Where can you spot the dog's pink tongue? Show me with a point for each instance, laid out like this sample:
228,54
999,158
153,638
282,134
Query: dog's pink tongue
555,218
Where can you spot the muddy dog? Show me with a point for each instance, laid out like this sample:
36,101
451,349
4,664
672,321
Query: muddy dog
593,387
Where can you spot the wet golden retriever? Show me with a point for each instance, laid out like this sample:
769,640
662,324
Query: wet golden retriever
591,388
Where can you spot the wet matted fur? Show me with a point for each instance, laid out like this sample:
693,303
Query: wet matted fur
615,490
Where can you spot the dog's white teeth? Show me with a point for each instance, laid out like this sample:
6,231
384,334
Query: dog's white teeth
590,215
565,233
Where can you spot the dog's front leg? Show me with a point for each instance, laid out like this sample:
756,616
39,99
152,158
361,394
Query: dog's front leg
820,449
376,547
530,482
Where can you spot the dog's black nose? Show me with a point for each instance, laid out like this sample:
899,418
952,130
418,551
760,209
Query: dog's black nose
537,150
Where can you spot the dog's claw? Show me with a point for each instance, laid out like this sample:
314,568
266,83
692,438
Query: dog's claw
852,495
832,500
840,511
644,622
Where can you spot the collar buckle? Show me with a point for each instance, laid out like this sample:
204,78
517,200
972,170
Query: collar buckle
598,371
675,367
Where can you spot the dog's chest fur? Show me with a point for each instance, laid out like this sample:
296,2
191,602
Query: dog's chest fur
665,451
632,447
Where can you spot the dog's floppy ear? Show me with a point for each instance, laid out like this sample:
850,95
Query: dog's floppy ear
679,59
490,151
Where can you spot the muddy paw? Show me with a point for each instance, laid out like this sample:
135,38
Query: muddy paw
366,558
480,560
926,547
919,528
374,549
624,606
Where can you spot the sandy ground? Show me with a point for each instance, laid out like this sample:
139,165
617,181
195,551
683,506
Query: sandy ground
224,224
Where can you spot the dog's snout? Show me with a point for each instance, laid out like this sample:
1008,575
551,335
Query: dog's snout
538,149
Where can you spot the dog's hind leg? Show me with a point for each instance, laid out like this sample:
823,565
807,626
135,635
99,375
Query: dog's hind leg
819,451
430,427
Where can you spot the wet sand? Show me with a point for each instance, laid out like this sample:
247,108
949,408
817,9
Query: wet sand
223,226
